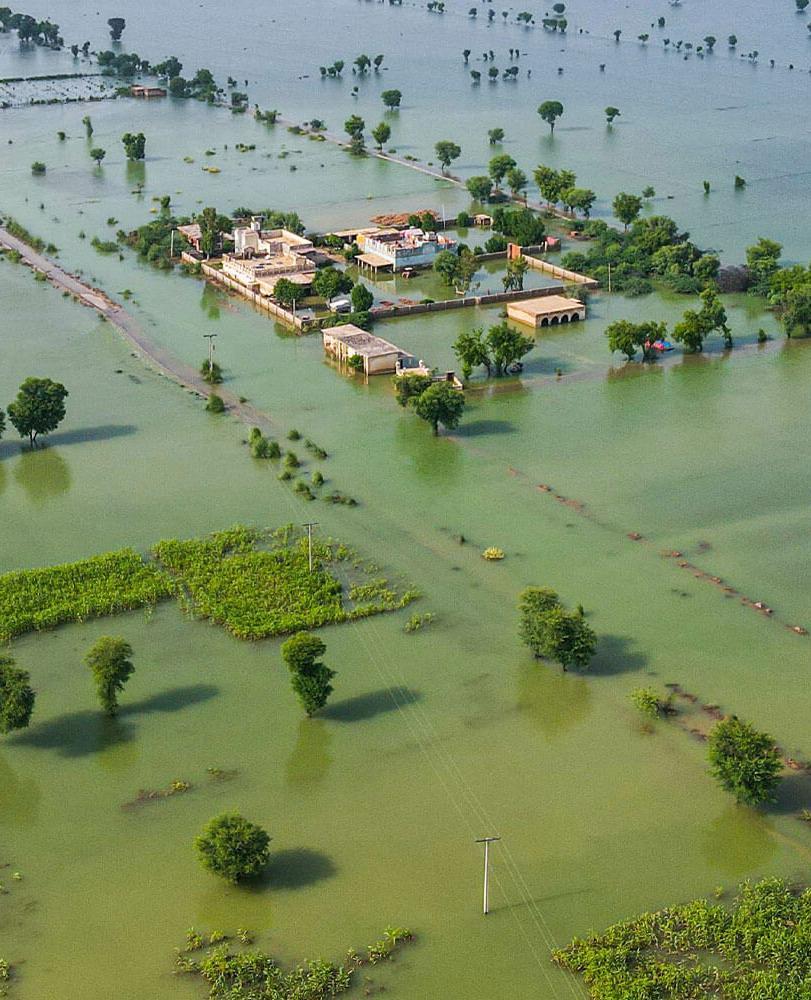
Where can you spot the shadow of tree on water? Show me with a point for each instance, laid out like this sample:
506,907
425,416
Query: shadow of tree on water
370,704
295,868
616,655
77,734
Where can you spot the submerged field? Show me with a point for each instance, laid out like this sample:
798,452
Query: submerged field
432,738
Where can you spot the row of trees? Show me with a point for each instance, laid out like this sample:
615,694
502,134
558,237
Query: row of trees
39,408
691,331
555,186
109,661
497,351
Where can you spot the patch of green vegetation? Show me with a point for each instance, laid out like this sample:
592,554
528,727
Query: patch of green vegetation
36,599
258,592
759,947
252,975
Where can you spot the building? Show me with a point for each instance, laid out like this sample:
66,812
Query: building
546,310
137,90
349,341
193,234
400,250
262,256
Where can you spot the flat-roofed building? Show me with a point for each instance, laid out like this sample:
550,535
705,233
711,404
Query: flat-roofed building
399,250
349,341
546,310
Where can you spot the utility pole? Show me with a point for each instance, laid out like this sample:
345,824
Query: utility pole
609,277
487,841
172,246
309,525
210,338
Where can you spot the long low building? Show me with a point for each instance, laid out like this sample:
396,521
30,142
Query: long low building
546,310
349,341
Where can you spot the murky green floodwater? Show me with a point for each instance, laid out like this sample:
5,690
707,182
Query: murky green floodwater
439,737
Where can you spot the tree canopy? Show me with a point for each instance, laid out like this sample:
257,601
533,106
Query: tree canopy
16,696
309,677
550,111
745,761
496,351
233,847
439,404
38,409
552,632
109,661
446,152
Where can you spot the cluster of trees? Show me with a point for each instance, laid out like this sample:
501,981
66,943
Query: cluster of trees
354,127
552,632
31,29
39,408
435,402
456,269
691,331
560,187
122,63
651,246
745,762
497,351
519,225
108,661
201,86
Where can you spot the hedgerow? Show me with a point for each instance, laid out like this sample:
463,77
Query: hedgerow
36,599
757,949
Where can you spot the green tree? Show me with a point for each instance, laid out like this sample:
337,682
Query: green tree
480,188
627,208
648,702
16,697
329,282
550,111
391,98
513,279
471,351
549,183
534,603
795,312
516,181
690,331
762,261
354,126
362,298
287,293
309,677
745,762
568,638
109,662
649,192
495,135
97,154
38,168
499,166
506,346
706,268
134,145
611,113
629,337
209,230
88,126
179,87
408,387
440,404
446,153
38,409
117,25
713,315
233,847
381,133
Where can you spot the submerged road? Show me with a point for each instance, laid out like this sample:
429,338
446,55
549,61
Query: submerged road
152,354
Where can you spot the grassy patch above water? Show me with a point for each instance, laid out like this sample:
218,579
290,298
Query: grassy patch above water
259,584
757,949
255,584
36,599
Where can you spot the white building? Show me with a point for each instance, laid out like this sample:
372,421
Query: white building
403,249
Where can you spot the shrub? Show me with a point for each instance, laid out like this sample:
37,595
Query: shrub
37,167
232,847
648,703
745,761
215,404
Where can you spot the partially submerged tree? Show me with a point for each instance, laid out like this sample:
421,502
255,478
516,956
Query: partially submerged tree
354,126
97,154
497,351
550,111
16,697
117,25
611,113
480,188
627,208
552,632
109,662
38,409
391,98
309,677
745,761
134,145
446,152
499,167
381,133
233,847
629,337
439,404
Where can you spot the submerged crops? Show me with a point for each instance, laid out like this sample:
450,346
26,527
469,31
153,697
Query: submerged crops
103,585
758,949
254,584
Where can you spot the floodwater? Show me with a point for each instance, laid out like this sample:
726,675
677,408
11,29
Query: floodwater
452,733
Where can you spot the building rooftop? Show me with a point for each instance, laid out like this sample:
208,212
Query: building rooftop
546,304
366,344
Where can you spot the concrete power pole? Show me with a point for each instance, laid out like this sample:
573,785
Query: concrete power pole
210,338
487,841
309,525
